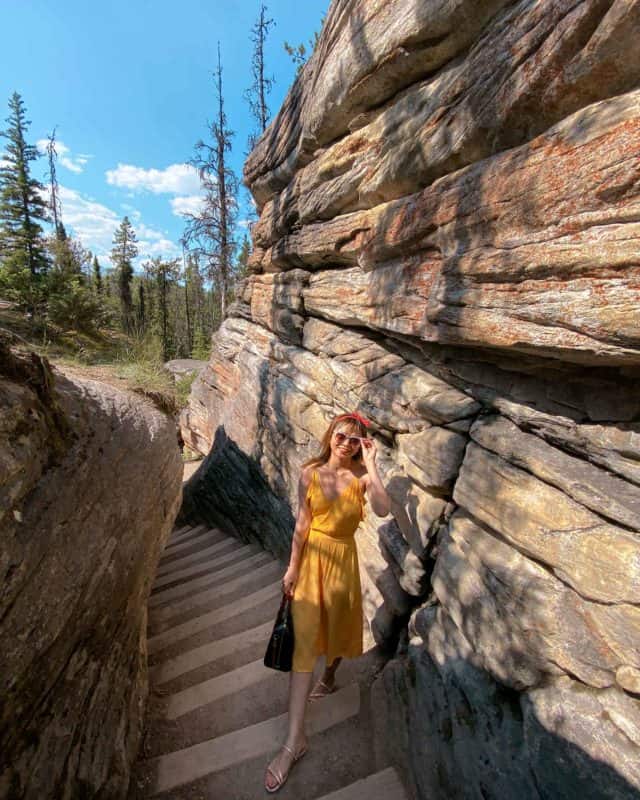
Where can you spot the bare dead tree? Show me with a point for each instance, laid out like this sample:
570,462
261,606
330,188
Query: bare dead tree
256,94
209,231
54,200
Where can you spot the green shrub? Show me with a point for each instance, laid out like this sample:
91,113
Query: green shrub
183,388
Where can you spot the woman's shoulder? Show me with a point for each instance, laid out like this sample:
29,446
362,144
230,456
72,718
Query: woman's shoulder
360,472
307,474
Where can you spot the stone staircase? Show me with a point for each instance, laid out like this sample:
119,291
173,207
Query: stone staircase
216,715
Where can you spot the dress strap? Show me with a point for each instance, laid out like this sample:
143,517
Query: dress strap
312,483
363,500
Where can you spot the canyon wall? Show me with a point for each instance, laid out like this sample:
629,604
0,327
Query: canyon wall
90,484
449,242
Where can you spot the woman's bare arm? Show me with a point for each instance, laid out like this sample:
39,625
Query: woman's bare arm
378,497
300,533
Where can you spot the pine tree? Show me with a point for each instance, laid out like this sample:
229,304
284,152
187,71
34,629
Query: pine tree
97,276
196,299
71,302
256,94
187,304
300,53
201,345
209,232
165,274
23,263
243,258
123,252
141,315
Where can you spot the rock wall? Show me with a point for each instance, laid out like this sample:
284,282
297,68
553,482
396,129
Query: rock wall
90,484
449,241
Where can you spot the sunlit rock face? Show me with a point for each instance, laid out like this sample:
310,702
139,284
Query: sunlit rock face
449,241
90,484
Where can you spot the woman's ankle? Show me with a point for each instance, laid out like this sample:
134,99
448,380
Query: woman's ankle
296,744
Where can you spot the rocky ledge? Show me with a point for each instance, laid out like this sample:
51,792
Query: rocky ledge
448,241
90,484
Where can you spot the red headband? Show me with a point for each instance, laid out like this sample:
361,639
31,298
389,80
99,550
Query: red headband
355,415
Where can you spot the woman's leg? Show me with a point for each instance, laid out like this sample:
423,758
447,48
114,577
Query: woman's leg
329,676
299,685
326,684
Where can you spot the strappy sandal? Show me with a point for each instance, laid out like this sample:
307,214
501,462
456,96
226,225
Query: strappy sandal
321,690
281,778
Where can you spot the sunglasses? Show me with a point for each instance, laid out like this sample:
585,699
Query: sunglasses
342,437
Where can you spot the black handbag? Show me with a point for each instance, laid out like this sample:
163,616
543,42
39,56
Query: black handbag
279,653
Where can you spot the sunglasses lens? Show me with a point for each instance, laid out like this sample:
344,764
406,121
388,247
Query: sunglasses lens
341,437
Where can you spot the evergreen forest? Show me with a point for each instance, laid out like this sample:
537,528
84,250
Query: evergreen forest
57,295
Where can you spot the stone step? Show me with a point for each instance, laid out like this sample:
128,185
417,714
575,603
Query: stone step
179,531
203,567
210,548
203,538
181,767
251,618
209,653
215,713
183,535
384,785
200,623
219,594
215,578
224,598
217,688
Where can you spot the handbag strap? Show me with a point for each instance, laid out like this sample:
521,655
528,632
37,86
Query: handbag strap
286,601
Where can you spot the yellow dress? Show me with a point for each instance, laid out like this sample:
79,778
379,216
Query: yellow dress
327,599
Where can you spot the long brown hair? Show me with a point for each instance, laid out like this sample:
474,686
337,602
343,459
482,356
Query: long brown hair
352,423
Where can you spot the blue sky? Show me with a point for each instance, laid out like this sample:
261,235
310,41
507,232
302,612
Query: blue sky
129,86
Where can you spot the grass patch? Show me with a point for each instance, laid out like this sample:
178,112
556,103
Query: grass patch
190,455
183,388
129,362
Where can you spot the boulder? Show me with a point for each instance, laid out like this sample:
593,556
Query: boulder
447,242
458,733
478,104
522,622
432,458
595,557
91,483
593,487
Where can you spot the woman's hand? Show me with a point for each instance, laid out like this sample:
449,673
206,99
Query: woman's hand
377,494
289,581
369,453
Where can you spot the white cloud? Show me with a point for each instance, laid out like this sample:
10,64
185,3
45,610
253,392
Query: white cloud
175,179
74,163
132,211
190,204
146,232
94,224
163,247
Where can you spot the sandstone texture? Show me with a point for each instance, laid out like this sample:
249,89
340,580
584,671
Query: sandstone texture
449,242
90,485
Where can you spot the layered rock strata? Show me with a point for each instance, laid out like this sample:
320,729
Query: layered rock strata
90,485
449,241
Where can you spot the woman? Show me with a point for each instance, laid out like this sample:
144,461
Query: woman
323,570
